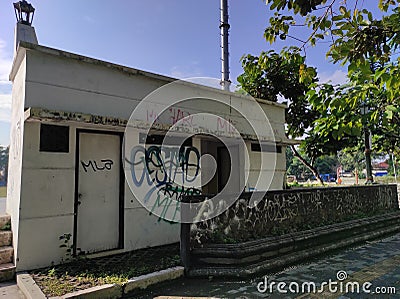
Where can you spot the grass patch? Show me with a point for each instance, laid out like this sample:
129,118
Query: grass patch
386,179
3,191
6,226
84,273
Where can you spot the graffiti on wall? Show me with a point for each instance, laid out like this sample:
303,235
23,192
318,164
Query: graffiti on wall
288,211
16,140
104,164
167,173
225,125
173,116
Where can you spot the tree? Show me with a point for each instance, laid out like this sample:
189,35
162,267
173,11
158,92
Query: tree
271,75
327,164
4,160
295,167
351,159
368,46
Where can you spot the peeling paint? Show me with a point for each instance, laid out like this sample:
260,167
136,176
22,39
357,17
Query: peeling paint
44,114
51,115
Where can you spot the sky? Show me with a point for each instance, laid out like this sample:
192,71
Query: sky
177,38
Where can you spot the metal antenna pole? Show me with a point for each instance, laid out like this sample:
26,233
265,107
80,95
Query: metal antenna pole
224,26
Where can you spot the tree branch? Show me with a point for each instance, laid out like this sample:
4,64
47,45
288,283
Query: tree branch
308,165
320,20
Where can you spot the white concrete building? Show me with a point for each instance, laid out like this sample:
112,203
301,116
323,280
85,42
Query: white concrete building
66,169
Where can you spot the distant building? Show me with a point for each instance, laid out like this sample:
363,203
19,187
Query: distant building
380,169
381,166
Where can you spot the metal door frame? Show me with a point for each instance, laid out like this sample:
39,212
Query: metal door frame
121,186
220,149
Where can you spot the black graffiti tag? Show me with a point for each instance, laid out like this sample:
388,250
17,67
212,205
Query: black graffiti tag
103,165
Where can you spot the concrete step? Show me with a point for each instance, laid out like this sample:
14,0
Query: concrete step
7,268
5,238
6,255
5,220
7,272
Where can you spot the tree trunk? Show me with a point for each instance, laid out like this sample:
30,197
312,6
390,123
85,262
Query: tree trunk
308,165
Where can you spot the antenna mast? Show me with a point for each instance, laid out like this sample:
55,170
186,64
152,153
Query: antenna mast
224,26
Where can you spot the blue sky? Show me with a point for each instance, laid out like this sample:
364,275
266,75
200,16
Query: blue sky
178,38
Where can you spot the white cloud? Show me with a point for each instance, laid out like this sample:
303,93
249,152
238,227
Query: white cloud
337,77
5,107
186,72
4,134
5,90
5,63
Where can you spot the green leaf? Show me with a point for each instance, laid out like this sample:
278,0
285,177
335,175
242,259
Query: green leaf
337,18
389,114
355,131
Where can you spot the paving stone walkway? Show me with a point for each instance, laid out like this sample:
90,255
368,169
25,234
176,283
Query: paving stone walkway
10,290
374,266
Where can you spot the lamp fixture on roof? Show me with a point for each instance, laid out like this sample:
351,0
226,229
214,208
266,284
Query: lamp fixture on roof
24,12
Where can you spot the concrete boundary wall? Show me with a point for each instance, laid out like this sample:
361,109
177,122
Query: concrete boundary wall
286,227
249,258
288,211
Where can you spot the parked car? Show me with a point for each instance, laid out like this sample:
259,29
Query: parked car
328,177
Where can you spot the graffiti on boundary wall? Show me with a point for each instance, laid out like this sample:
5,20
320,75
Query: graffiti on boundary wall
169,173
288,211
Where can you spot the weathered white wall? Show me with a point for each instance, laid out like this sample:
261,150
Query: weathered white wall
47,201
15,156
63,84
57,83
24,33
45,197
273,166
47,206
